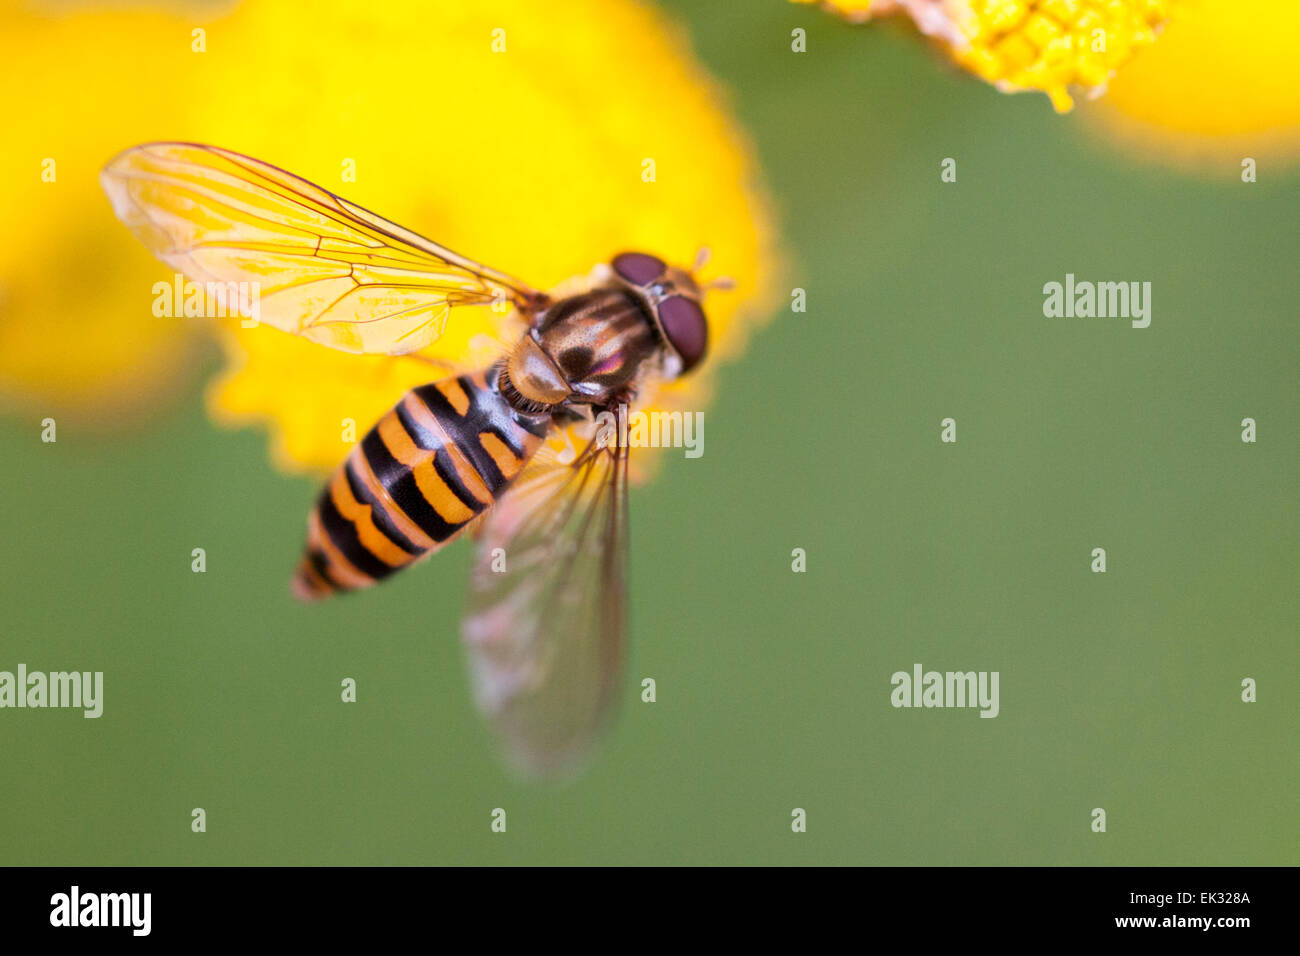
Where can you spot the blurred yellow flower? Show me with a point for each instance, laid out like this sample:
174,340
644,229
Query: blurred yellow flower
1047,45
1222,83
76,327
521,134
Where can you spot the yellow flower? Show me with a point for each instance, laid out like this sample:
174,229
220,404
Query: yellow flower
1047,45
521,134
533,160
76,325
1221,84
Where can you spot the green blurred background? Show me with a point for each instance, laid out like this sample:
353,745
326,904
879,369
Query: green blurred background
1119,691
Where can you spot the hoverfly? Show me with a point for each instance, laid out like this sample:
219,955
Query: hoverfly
466,452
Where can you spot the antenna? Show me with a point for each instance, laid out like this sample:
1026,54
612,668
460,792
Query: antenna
701,260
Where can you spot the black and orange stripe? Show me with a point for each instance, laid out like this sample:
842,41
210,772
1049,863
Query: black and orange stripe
431,465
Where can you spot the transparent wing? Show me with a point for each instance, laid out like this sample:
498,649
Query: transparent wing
545,635
327,269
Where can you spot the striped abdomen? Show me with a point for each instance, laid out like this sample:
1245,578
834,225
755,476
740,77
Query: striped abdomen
434,462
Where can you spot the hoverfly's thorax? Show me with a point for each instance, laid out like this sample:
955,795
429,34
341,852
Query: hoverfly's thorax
599,342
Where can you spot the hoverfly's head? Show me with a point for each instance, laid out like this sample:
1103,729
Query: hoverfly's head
673,298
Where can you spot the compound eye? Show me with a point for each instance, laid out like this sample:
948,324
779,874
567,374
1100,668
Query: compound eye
685,327
638,268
